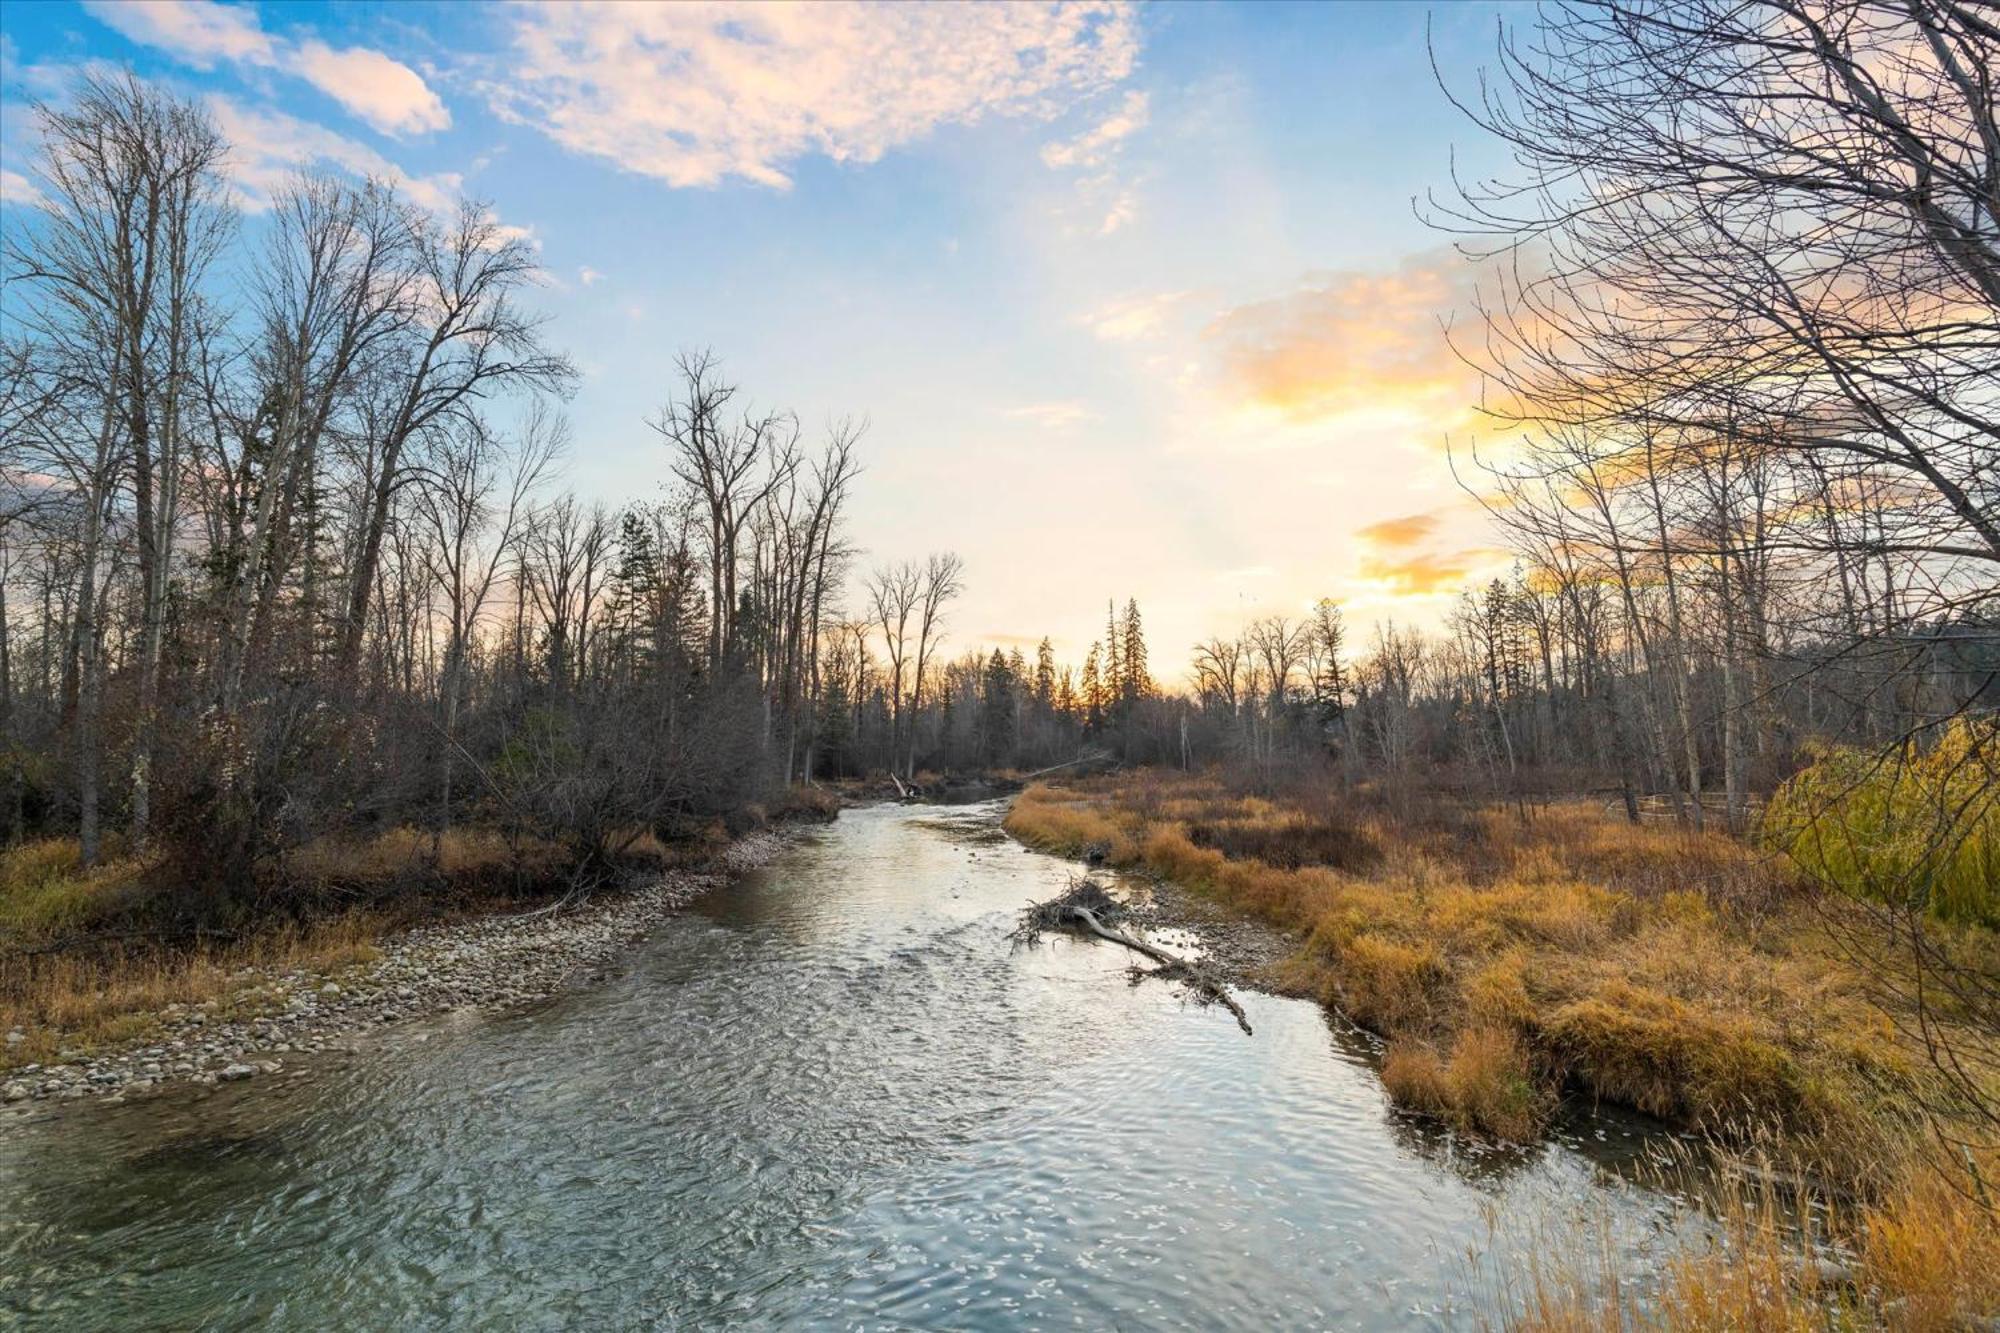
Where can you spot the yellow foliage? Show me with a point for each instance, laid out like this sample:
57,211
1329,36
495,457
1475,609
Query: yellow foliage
1919,826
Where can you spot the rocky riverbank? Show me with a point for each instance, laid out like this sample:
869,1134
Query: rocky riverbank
1244,950
272,1016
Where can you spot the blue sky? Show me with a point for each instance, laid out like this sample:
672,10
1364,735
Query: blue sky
1134,299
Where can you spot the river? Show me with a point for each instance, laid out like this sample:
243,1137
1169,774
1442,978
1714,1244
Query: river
829,1095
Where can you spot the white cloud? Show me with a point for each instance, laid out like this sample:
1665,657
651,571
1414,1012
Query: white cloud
1053,416
267,146
1123,209
1134,318
588,276
199,32
18,191
384,92
696,93
1095,144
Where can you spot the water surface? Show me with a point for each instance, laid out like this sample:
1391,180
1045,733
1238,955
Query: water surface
830,1095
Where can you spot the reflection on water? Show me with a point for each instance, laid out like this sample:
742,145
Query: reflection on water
829,1095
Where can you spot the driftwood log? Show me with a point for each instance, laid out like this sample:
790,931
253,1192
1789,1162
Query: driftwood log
1086,909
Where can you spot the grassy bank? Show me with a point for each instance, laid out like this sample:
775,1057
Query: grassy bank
1513,962
88,960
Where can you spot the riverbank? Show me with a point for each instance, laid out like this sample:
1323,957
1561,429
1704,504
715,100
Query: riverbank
1509,965
267,1015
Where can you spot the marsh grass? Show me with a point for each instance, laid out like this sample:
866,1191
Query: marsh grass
1510,963
1924,1257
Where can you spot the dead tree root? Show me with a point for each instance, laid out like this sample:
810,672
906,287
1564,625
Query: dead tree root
1086,909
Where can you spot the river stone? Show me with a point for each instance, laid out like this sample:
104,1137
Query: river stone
236,1073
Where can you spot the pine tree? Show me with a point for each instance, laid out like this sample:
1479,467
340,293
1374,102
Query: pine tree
1093,693
1045,676
1134,683
1329,634
996,709
1112,671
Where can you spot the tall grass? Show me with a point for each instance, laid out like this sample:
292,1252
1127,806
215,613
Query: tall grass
1511,963
1924,1258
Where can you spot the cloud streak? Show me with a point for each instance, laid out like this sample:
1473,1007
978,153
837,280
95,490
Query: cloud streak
1053,416
1410,530
695,94
1094,145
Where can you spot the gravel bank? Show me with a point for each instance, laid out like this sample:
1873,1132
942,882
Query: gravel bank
1243,949
491,962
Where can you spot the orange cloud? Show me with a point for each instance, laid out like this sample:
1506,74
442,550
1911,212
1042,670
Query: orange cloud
1425,573
1410,530
1355,341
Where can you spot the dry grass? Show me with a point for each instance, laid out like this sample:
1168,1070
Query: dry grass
1685,975
1680,974
82,1002
87,960
1923,1259
1485,1085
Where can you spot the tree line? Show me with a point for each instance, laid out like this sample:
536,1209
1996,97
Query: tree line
283,552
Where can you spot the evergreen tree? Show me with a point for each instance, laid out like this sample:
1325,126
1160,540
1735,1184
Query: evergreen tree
997,709
1093,693
1329,634
1134,683
1045,676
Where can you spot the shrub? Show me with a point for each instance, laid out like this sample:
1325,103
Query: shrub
1917,826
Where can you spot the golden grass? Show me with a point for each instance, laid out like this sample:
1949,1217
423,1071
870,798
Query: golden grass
1685,975
82,1002
1677,973
1485,1085
1923,1259
87,960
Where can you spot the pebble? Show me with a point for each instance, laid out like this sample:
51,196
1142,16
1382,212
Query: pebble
432,970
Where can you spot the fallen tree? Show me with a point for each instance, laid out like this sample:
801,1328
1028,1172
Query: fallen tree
1085,908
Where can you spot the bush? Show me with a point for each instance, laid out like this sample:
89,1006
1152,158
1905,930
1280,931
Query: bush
1916,827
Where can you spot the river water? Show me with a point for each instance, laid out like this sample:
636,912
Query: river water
828,1096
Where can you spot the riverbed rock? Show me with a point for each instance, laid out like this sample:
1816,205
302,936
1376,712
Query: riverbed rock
236,1073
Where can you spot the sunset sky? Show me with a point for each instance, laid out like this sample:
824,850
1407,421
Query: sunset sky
1135,300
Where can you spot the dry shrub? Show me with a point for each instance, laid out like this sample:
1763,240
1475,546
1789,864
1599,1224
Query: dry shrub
1291,841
